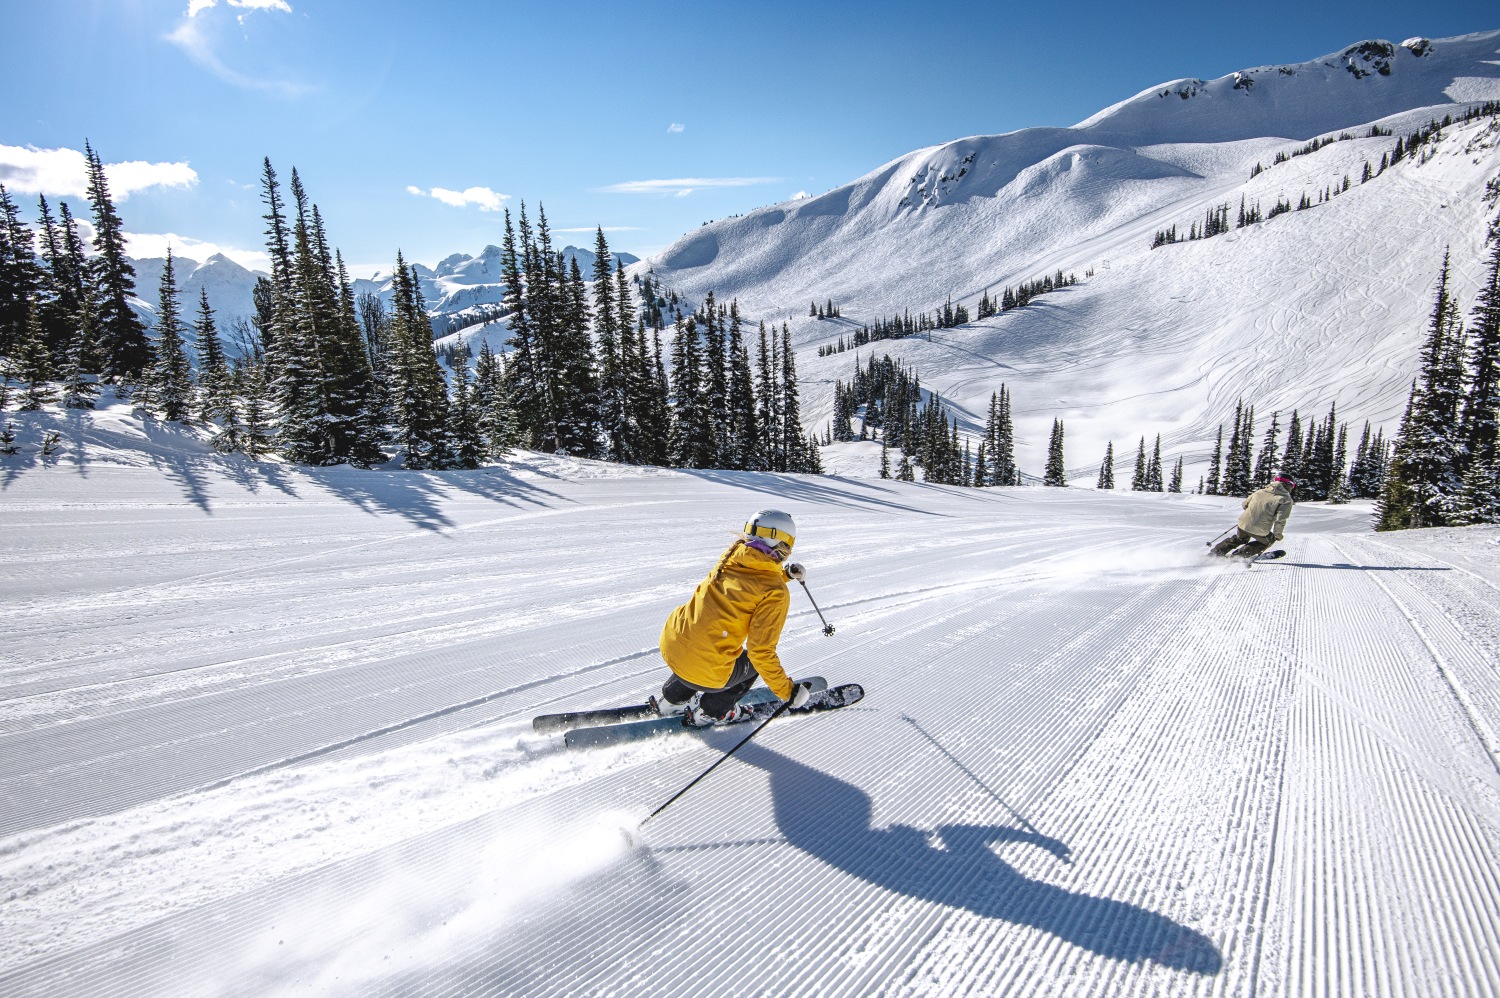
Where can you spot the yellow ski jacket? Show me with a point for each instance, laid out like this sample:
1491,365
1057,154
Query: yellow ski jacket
742,604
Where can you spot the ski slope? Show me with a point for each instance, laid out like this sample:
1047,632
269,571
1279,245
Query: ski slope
265,730
1302,310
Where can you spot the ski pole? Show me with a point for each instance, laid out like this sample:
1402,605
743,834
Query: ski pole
827,627
694,782
1209,544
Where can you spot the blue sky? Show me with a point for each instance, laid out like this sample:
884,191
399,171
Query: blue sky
412,125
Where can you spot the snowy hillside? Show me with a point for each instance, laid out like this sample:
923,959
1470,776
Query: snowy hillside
265,730
1301,310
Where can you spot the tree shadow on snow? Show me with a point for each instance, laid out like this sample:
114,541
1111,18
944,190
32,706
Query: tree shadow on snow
830,819
832,490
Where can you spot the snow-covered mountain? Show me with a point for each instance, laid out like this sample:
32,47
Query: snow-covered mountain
1300,310
459,286
230,289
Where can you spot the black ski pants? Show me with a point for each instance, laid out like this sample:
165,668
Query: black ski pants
1241,544
715,702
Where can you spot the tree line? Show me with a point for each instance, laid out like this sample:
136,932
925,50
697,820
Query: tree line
326,376
1444,469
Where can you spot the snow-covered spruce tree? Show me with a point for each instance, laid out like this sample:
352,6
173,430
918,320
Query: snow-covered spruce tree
1479,428
122,339
252,385
1176,483
33,365
215,388
904,471
716,380
468,445
1107,468
172,379
744,430
1138,476
1291,457
1212,482
524,381
57,306
885,459
1422,482
1339,492
1004,460
619,437
497,426
1055,475
693,443
802,451
1265,463
420,393
768,401
20,278
79,388
1153,470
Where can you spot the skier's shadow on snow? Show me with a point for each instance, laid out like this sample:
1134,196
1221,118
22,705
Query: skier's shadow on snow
830,819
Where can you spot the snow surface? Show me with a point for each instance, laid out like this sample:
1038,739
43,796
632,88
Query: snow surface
265,730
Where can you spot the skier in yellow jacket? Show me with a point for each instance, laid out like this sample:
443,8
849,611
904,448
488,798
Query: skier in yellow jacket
718,642
1263,522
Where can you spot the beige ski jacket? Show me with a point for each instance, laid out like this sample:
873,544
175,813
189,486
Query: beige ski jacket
1266,512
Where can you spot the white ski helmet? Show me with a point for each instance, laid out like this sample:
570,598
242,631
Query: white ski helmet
772,526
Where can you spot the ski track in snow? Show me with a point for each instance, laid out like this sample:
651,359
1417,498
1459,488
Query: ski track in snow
282,745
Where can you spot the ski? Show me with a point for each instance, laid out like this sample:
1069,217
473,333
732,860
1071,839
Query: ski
617,734
642,711
1266,556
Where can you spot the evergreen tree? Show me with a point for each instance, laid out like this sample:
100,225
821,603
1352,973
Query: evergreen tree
1422,483
693,443
1265,463
904,471
496,422
419,390
799,456
464,432
1055,475
34,365
172,381
80,390
614,413
1339,492
1153,470
121,337
215,387
1291,458
254,388
1480,425
1176,483
1107,469
20,279
1213,462
744,431
1006,472
1138,477
885,460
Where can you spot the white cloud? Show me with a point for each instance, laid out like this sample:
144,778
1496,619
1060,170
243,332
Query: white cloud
683,186
801,196
675,127
65,173
197,37
146,245
481,197
195,6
